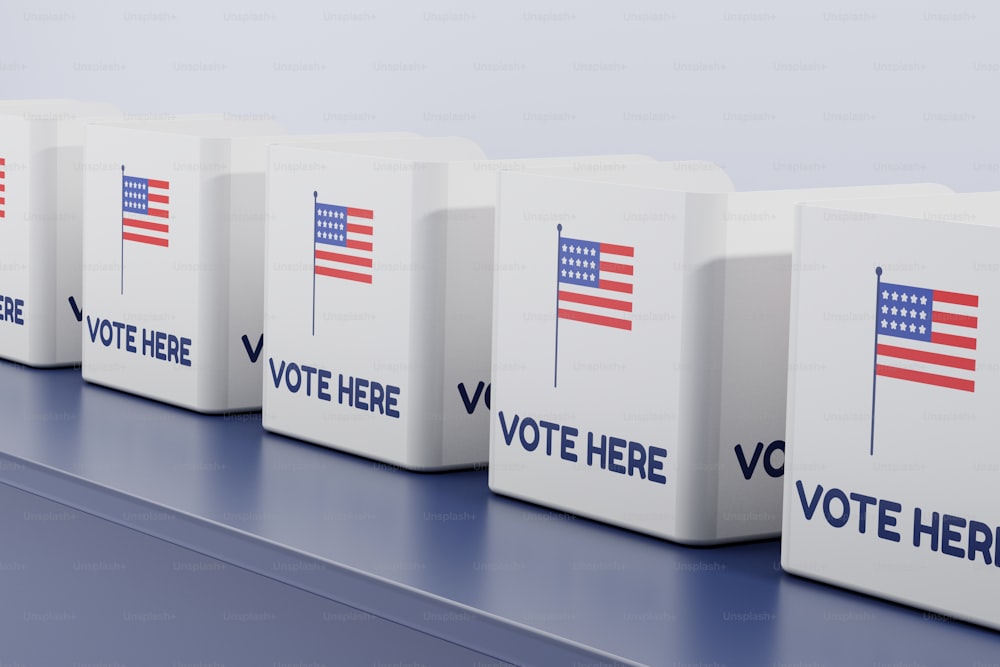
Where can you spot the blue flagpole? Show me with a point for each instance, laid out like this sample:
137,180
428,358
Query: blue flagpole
878,287
122,216
555,370
315,206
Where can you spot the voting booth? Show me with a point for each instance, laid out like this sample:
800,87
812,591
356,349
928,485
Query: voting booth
640,355
174,260
41,204
379,297
468,292
894,383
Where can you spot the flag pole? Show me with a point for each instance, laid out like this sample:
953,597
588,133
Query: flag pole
121,267
555,370
315,206
878,286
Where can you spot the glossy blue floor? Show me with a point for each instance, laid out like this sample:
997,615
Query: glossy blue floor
444,570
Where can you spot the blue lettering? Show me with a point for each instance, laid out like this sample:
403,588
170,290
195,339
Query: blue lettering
92,326
920,529
391,400
949,535
11,310
357,393
377,396
836,521
161,346
470,404
980,541
296,384
748,469
360,393
595,449
323,385
118,334
529,444
611,453
656,456
508,433
112,333
568,433
549,427
276,374
769,467
253,353
173,349
130,338
77,310
185,351
309,371
767,460
636,459
809,508
884,520
863,503
345,390
107,334
156,344
617,447
147,343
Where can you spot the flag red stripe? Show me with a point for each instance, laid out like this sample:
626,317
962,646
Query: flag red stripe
928,357
344,259
955,318
347,275
595,319
359,245
615,267
954,341
3,161
151,240
157,212
925,378
3,174
612,249
599,301
163,185
159,199
360,229
360,213
613,286
3,214
3,187
3,200
142,224
956,298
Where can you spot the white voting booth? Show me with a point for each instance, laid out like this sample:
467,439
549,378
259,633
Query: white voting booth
891,477
640,356
378,297
174,260
468,292
41,204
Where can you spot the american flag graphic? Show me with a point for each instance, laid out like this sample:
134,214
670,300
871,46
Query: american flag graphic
926,336
343,242
595,283
3,187
145,210
593,286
